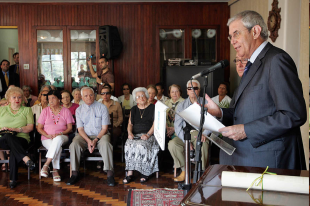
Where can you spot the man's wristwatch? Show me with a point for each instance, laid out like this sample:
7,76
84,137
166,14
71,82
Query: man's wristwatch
20,129
97,139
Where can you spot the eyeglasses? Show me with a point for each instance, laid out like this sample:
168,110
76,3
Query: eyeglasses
138,97
242,61
107,93
190,88
236,34
125,88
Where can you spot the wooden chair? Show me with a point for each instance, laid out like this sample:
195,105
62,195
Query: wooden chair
28,150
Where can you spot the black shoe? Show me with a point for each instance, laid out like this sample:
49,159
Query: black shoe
73,179
13,184
111,181
30,164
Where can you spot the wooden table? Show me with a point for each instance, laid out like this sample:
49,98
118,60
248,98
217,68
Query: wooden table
209,190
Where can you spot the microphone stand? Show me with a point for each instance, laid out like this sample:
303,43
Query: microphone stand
186,186
198,171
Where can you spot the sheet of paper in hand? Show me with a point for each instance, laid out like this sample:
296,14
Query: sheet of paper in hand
160,123
192,116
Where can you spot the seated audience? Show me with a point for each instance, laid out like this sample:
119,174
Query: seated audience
77,98
176,145
115,108
37,108
160,93
175,95
152,92
66,102
141,147
92,120
53,87
66,99
126,99
43,88
222,99
99,96
54,124
30,98
19,120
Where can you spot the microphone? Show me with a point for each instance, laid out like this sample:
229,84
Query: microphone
222,64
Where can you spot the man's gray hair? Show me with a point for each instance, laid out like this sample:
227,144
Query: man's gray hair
140,89
26,87
249,20
76,90
84,88
194,80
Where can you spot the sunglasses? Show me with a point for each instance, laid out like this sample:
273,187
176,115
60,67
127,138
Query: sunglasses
107,93
44,95
125,88
190,88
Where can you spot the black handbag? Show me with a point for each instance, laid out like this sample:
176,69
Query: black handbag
4,132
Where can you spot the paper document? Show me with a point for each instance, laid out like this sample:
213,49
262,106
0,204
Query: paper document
192,116
160,123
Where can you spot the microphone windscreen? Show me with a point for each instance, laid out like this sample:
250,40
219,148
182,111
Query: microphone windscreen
225,63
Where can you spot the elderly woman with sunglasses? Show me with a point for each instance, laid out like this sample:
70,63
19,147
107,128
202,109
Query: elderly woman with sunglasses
141,147
55,123
176,145
115,108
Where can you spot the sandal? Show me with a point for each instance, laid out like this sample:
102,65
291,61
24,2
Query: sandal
144,178
56,178
43,172
128,179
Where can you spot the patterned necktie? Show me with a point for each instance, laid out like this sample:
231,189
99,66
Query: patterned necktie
17,69
246,69
6,79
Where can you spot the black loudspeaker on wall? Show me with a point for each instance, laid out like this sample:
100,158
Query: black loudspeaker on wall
110,43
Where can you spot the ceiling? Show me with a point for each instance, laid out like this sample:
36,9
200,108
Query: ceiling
98,1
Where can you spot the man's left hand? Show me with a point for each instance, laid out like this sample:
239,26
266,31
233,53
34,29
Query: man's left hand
235,132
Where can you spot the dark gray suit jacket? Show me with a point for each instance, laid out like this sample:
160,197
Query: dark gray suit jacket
270,104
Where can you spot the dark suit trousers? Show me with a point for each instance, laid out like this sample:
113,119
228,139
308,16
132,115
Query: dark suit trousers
17,147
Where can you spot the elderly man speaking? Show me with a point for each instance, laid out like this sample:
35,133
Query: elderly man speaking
92,120
268,106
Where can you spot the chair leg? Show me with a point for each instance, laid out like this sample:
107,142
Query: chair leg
40,164
28,173
175,172
157,175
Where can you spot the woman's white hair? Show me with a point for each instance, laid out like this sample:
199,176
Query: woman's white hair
194,80
84,88
140,89
76,90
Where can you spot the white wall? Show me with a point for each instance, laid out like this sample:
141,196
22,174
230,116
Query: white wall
9,39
